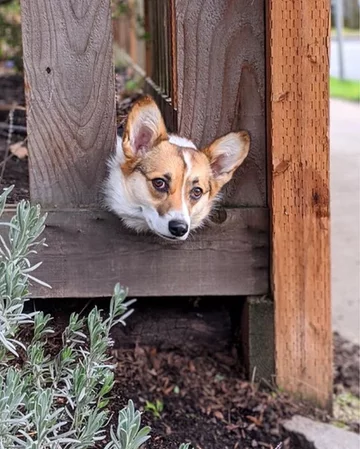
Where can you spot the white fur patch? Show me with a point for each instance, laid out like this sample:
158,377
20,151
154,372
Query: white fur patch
185,209
117,197
181,141
230,151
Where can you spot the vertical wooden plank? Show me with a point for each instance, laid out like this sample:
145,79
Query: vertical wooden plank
148,30
160,28
167,41
70,97
298,67
133,53
221,83
141,43
173,55
155,43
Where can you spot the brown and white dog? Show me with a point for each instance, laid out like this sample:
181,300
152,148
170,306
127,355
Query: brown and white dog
162,182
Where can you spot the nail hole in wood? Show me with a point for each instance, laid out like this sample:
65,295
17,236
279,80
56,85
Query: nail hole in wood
219,216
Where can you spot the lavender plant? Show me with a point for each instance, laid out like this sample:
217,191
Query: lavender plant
55,402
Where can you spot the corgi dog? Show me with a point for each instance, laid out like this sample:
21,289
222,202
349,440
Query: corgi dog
163,183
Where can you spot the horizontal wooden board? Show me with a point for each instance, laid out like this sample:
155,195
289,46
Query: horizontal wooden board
89,251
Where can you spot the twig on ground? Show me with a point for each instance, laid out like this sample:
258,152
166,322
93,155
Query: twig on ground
8,142
15,128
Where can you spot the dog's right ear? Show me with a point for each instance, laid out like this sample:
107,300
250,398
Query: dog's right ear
144,128
226,154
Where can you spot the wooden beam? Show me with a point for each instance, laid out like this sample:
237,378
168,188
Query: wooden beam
70,96
132,30
173,55
90,251
298,142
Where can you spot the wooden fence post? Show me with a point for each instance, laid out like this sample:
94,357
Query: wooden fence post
298,142
70,94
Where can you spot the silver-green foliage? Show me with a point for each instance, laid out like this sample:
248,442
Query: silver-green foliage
54,401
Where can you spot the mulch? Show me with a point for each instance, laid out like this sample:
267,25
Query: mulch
206,400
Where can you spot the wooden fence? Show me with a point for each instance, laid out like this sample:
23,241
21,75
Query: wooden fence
213,67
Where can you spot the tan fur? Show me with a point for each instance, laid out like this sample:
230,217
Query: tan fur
166,161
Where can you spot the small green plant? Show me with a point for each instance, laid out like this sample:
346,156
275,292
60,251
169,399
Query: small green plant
55,401
155,408
128,433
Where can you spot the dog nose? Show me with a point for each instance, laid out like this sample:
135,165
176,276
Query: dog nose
178,228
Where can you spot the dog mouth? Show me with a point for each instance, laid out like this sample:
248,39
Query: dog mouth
167,237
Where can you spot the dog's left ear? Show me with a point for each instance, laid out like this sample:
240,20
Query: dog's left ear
144,127
226,154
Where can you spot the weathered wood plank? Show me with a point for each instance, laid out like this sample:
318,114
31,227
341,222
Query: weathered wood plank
90,251
173,55
132,30
70,97
148,44
298,67
221,83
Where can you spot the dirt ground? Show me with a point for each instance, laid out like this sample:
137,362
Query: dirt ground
206,399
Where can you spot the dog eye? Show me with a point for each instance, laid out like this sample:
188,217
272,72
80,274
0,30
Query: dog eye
160,185
196,193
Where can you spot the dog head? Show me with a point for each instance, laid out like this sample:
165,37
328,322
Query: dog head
163,182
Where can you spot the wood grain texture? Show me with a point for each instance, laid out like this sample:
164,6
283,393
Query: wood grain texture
90,251
70,95
173,55
221,83
298,65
